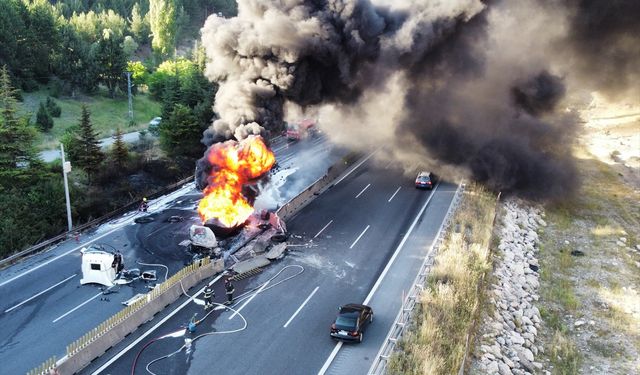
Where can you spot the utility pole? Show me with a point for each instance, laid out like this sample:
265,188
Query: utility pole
66,168
130,102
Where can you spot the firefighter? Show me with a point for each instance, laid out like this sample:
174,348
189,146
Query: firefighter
229,289
144,205
209,295
117,263
192,323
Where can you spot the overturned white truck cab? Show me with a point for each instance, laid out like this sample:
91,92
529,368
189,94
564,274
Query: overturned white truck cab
100,267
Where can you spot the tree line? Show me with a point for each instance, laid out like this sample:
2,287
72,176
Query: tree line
83,44
80,46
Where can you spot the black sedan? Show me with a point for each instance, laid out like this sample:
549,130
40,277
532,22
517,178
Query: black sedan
351,322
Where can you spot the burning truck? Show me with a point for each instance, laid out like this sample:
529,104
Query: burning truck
300,130
232,171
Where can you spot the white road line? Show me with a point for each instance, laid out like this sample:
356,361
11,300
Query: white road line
394,194
323,228
356,167
301,306
360,236
152,329
77,307
41,293
400,246
249,300
365,188
375,287
416,278
333,354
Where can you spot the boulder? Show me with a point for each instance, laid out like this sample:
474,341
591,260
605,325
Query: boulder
504,369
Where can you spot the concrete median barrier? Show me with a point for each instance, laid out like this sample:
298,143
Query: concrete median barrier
109,333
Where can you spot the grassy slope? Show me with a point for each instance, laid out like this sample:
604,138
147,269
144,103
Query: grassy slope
435,344
106,114
593,288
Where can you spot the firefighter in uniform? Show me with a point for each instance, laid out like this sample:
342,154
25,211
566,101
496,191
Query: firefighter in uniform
229,289
144,205
209,295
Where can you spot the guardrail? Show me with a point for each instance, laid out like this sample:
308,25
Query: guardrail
110,332
61,237
406,311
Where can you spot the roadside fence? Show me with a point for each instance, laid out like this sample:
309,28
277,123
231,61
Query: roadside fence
403,319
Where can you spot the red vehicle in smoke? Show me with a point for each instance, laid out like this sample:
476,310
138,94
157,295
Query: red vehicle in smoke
301,130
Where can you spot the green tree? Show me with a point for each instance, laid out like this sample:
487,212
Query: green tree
74,62
138,70
87,25
41,39
114,22
12,33
171,96
17,155
163,23
129,46
85,149
53,108
139,25
43,119
119,151
111,60
180,134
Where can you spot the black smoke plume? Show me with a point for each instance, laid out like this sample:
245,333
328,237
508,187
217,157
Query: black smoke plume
456,102
605,38
539,94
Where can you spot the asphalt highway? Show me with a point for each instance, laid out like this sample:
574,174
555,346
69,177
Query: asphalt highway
43,307
363,240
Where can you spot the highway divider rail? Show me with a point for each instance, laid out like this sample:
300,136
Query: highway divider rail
406,311
113,330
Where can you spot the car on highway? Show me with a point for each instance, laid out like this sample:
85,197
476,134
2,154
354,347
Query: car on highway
425,180
351,322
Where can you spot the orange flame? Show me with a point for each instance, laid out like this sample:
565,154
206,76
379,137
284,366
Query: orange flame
234,165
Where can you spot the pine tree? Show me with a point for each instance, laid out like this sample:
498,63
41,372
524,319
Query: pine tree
180,134
170,96
17,154
119,152
88,155
43,119
53,108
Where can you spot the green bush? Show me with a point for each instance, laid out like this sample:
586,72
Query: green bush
43,119
53,107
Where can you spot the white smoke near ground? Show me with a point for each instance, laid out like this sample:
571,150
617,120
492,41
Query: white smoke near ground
474,87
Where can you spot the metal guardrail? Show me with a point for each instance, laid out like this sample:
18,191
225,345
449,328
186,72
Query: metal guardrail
50,365
61,237
406,311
